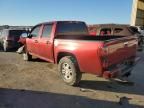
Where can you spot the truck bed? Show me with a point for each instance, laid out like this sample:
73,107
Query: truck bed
118,49
88,37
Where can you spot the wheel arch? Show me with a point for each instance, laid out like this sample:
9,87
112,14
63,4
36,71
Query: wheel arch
63,54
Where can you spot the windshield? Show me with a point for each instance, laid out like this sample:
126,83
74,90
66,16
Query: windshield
71,28
134,30
16,33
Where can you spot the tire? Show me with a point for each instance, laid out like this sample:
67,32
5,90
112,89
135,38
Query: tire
27,56
69,71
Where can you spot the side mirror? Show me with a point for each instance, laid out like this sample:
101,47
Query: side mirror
24,35
29,36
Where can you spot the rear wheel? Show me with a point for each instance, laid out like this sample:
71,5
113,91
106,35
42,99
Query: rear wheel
69,71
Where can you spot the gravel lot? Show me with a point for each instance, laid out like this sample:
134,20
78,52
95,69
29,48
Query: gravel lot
36,84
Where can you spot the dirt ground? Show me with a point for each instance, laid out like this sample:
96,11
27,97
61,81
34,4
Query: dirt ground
36,84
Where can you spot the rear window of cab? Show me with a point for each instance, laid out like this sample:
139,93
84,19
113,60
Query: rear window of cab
71,28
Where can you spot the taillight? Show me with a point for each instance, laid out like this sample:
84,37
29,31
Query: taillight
104,56
104,51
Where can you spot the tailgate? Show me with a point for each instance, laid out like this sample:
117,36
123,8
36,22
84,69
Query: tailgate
121,49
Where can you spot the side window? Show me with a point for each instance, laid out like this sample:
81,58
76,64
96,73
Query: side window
105,31
47,30
35,31
118,30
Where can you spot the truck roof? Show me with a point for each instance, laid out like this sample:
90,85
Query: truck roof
50,22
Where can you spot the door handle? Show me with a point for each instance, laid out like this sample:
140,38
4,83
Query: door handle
36,41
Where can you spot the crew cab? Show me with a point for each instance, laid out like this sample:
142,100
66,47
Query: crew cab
68,44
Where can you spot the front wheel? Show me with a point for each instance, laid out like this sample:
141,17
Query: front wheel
69,71
27,56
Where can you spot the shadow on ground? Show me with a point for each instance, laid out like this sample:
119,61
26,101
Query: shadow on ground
10,50
38,60
111,86
10,98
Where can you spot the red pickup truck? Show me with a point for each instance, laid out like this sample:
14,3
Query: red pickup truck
68,44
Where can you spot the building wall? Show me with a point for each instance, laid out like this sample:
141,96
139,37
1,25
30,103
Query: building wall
137,16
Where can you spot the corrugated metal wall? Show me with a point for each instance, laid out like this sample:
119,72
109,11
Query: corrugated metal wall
137,17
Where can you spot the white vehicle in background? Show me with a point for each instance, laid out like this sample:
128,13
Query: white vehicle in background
141,29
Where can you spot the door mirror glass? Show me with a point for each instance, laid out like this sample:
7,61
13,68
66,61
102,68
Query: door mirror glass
24,35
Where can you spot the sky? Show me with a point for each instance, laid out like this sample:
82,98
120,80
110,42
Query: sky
31,12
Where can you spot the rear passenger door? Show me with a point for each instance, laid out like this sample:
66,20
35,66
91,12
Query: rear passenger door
46,44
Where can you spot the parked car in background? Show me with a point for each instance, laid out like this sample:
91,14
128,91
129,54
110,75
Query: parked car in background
23,36
68,44
22,42
139,35
110,29
141,29
118,30
9,38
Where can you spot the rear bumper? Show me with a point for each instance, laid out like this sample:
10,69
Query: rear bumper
119,71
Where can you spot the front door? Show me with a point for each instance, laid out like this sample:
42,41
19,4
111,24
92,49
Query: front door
33,43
